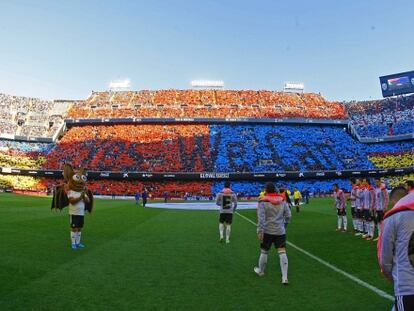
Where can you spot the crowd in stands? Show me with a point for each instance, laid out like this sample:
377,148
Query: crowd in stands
394,160
33,117
175,189
386,117
24,162
207,104
318,187
22,154
219,148
25,147
25,116
154,148
21,183
197,148
269,148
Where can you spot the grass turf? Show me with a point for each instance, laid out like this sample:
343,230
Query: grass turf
156,259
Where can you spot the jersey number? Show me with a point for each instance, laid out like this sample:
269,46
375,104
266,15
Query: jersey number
226,202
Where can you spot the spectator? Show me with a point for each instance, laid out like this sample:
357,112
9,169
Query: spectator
386,117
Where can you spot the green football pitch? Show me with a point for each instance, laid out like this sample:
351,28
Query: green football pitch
157,259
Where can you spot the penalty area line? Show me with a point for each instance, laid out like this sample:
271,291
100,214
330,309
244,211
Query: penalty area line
378,291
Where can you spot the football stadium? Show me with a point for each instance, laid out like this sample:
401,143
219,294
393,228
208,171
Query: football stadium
202,195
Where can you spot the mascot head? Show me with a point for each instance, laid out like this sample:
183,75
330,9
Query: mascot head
76,181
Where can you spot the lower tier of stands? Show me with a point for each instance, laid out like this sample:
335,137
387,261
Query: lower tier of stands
203,148
215,148
176,189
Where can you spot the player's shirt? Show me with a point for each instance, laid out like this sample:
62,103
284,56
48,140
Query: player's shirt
227,201
381,198
340,202
297,195
354,196
396,246
78,208
368,198
273,213
359,202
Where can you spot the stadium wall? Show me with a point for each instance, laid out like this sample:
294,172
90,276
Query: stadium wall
216,176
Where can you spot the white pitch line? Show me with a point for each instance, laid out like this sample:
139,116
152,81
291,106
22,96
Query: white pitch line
336,269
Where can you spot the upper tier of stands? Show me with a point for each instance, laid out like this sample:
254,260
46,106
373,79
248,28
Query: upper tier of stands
385,117
206,103
33,117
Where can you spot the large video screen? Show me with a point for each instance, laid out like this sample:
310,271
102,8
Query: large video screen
397,84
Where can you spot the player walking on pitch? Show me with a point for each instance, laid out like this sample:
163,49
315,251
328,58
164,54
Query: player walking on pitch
272,213
227,201
297,197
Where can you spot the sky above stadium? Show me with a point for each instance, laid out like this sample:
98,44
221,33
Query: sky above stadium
65,49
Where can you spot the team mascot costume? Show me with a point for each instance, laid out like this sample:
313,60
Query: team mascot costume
73,193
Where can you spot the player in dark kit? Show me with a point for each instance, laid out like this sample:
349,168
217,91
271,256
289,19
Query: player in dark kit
144,196
137,196
227,202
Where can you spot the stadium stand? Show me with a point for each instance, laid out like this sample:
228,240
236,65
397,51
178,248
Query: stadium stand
316,186
393,160
26,147
186,148
207,103
220,148
268,148
153,148
30,117
26,183
175,189
23,155
386,117
203,148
